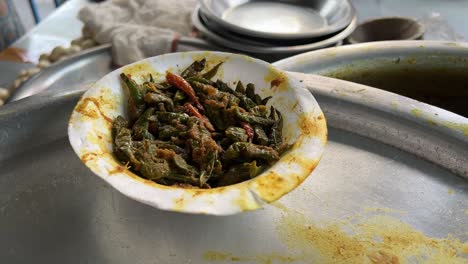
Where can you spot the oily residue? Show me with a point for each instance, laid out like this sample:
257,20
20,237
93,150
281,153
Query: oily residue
268,258
378,239
93,113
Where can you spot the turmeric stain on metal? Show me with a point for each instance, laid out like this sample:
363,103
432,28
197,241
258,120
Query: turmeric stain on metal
267,258
377,239
462,127
456,126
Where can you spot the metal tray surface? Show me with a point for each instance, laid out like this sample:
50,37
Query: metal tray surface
366,201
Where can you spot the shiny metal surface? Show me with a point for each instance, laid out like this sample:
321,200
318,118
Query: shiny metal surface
280,19
8,71
53,211
274,50
365,105
78,71
428,71
387,28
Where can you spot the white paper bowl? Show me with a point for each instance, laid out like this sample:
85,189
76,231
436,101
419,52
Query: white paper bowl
89,132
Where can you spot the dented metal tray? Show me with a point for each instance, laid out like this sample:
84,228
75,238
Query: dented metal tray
374,196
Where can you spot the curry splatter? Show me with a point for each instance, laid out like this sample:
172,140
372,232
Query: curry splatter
267,258
378,239
84,109
462,127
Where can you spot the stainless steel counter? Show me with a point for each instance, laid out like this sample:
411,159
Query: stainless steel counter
444,21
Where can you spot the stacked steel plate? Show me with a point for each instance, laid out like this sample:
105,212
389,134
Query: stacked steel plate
275,28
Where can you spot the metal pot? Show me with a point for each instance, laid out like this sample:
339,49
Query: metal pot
430,71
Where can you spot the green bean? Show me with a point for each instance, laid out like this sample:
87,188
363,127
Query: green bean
136,103
212,72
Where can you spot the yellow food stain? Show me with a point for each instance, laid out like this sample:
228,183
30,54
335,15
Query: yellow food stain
245,201
416,112
452,44
465,248
93,112
451,191
270,186
308,125
456,126
311,126
97,108
218,256
331,53
88,157
378,239
452,125
141,71
382,257
280,206
179,204
394,105
278,81
466,211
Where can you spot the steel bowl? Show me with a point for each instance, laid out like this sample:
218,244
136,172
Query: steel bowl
284,19
387,28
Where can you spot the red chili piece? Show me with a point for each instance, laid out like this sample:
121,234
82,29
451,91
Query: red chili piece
180,83
194,112
249,130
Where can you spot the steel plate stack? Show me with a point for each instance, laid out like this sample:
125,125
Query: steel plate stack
274,29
